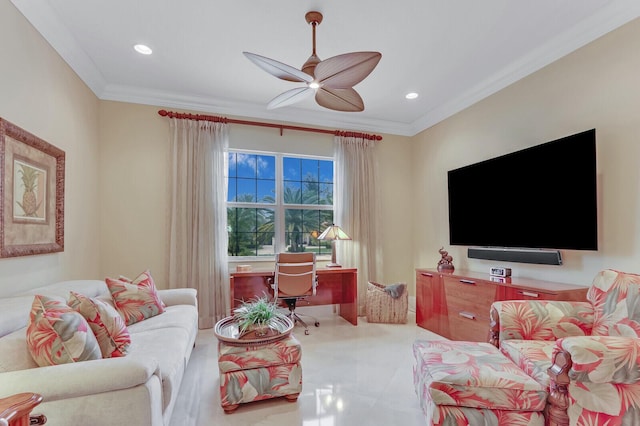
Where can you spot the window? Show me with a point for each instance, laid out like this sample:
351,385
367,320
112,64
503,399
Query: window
278,203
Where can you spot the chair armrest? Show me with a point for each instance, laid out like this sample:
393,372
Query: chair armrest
601,359
80,378
539,320
593,376
179,296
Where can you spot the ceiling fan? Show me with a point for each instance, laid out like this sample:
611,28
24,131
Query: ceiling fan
331,80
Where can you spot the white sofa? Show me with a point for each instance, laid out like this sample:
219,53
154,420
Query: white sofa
138,389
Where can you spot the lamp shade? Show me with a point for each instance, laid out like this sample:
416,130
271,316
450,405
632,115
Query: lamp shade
334,232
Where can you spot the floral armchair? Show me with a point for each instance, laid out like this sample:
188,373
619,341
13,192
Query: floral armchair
587,353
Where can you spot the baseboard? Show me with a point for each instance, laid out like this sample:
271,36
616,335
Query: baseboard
540,257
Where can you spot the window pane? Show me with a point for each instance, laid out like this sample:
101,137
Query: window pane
232,165
302,228
325,171
292,193
266,167
246,190
246,165
326,194
251,231
310,170
291,168
231,190
267,191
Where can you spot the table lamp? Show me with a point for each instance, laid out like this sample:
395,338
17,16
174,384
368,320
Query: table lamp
333,233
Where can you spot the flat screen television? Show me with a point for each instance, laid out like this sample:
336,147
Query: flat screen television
543,197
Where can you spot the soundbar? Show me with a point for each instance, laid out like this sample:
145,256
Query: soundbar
540,257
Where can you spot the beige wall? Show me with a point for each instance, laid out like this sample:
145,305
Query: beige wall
596,86
134,156
42,95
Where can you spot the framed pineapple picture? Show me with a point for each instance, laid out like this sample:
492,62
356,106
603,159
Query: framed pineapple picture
32,194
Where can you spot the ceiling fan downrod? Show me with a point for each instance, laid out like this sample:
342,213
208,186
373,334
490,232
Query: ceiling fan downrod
313,18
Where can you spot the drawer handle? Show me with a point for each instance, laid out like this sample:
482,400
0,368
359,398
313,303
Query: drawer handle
426,274
467,315
528,293
468,282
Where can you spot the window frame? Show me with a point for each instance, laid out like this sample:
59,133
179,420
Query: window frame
279,206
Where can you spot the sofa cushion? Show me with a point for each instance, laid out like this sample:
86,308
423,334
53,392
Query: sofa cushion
15,354
56,334
171,348
105,322
532,356
135,302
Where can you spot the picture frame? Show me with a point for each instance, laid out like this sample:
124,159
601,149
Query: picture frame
32,175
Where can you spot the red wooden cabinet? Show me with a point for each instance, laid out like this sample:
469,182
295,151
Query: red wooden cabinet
456,305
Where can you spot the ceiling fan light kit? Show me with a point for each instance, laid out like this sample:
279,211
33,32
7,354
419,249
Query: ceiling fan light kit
331,80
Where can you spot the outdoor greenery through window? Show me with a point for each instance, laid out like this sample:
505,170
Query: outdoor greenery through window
278,203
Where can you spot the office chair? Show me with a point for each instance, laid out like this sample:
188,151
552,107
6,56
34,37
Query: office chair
295,279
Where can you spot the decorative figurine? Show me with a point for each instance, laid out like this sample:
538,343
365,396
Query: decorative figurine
446,263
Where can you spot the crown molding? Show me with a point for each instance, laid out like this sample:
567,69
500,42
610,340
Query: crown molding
211,105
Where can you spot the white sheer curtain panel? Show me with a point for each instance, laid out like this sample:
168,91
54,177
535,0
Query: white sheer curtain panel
357,210
198,234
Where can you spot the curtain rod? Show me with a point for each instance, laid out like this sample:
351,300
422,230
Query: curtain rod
217,119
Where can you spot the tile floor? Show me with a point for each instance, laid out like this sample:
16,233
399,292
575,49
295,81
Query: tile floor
351,376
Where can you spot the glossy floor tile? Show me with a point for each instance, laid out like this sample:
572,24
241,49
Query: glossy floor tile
351,376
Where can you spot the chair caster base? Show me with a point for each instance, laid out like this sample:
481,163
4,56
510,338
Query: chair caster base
317,324
306,332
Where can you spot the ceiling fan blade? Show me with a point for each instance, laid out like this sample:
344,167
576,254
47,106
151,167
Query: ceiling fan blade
290,97
347,100
346,70
278,69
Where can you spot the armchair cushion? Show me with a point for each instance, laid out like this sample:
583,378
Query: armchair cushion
542,320
616,302
532,356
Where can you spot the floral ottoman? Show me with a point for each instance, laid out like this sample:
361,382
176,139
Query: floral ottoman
261,371
470,383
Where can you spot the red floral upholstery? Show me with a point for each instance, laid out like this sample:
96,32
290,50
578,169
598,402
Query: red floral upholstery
600,338
254,373
473,383
137,300
105,322
56,334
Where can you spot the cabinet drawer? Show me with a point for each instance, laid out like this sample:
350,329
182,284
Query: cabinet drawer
458,308
465,326
478,292
524,294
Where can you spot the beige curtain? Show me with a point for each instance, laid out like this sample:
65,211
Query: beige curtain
198,234
357,210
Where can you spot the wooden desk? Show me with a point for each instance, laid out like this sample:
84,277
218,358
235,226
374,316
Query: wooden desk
336,286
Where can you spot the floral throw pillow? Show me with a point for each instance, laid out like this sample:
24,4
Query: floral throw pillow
142,279
135,302
56,334
105,322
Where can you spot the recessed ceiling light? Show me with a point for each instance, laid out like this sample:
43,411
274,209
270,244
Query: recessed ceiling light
411,95
144,49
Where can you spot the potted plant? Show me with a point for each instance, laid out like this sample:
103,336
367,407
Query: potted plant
258,315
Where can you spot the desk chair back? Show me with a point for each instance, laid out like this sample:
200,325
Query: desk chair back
295,275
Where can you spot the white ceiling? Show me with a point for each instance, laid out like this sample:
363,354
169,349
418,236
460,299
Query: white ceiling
452,52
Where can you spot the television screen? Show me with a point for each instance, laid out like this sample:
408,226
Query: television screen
542,197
